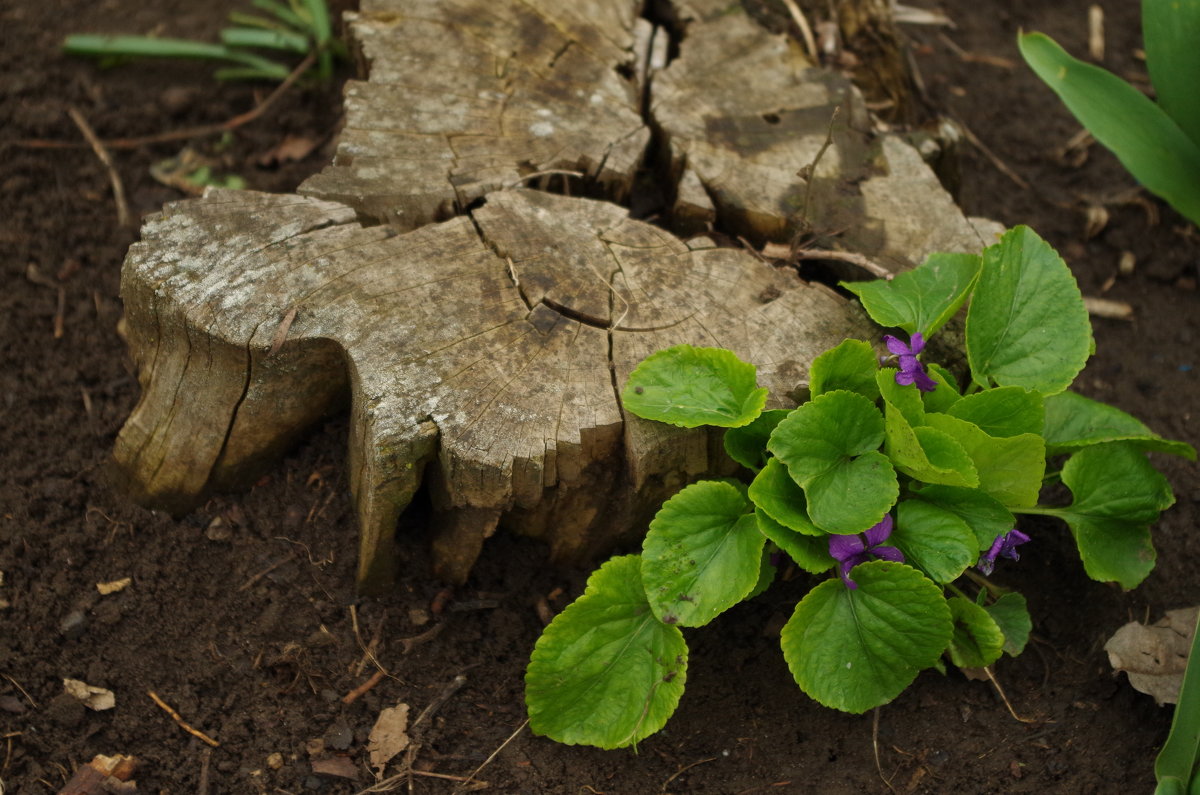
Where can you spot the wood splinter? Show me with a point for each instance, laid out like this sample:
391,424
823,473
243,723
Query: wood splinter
104,774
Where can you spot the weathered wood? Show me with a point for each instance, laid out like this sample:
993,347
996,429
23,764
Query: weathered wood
466,97
480,334
743,111
481,355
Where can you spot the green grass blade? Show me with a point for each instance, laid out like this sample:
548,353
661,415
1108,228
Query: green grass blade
1145,139
285,14
142,47
255,21
1172,33
322,33
248,73
265,39
1179,754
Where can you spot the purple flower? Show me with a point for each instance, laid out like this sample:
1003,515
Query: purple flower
1004,546
911,371
852,550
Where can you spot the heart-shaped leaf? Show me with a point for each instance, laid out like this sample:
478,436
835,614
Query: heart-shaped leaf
606,672
690,387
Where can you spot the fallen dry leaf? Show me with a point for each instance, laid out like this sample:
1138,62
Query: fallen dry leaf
96,698
389,737
1155,656
105,588
339,766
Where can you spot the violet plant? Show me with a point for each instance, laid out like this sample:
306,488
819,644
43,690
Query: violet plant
897,490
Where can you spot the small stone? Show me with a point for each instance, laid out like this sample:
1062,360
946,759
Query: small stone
418,616
314,783
315,746
275,761
73,624
218,530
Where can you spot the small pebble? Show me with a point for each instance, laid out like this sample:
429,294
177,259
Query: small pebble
275,761
73,624
314,783
218,530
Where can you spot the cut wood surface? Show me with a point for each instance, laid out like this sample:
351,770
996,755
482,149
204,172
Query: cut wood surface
744,112
481,355
466,97
481,332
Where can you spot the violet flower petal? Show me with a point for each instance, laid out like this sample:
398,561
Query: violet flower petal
879,533
845,548
896,345
888,553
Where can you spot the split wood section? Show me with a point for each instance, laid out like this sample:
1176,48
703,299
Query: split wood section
480,332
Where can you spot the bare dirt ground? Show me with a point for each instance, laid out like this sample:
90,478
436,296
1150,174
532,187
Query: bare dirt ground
242,615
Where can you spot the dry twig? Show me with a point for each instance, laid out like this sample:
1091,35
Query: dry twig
182,723
810,43
465,785
118,188
358,692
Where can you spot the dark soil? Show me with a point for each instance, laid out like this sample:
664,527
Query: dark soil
241,615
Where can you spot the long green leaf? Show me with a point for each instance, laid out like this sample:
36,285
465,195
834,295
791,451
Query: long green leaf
1171,29
1145,139
97,45
1180,754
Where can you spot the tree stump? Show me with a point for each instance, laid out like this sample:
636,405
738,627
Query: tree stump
481,332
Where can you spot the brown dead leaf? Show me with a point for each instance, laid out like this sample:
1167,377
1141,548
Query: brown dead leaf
1154,657
339,766
389,737
291,149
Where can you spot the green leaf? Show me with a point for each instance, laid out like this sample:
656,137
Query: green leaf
946,394
1118,495
1027,325
831,448
857,649
1012,616
978,641
850,366
766,573
1009,469
1074,422
101,45
1004,411
811,553
781,498
748,444
922,299
926,454
986,517
701,555
1180,753
1144,138
606,672
905,398
1170,29
690,387
267,39
934,540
